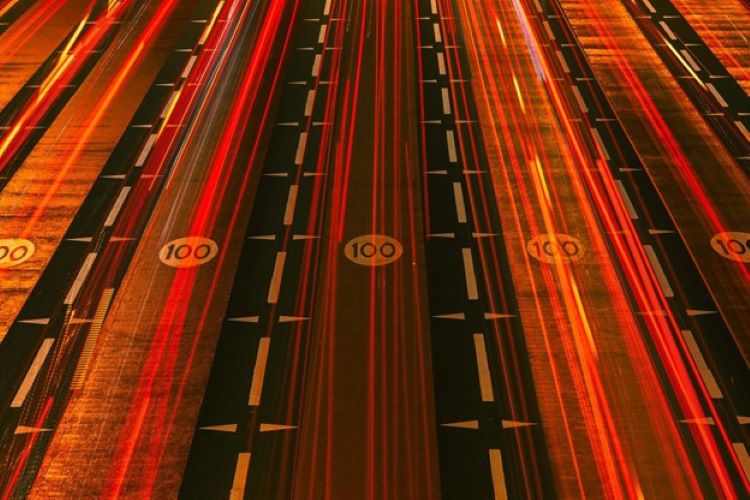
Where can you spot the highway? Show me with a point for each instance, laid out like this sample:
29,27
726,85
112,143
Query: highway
377,249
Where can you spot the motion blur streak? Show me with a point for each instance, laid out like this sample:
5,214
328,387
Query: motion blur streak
160,369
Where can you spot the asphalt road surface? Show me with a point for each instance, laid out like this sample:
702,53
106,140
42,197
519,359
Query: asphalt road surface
374,249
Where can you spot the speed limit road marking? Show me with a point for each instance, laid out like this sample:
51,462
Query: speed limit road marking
373,250
734,245
551,248
14,251
190,251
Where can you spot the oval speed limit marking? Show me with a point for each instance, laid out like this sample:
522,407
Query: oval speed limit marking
551,248
734,245
189,251
14,251
373,250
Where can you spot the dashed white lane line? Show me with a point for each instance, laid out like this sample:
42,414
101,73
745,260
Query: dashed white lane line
316,65
650,7
441,63
458,194
146,150
309,102
450,138
446,101
498,476
327,8
600,142
322,33
112,216
438,34
300,154
659,270
579,98
626,200
170,104
471,279
31,375
291,202
563,62
744,458
78,283
742,128
240,477
483,368
708,378
188,66
433,6
686,55
259,372
278,271
668,30
717,96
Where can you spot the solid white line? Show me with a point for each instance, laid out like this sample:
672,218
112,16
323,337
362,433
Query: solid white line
316,66
259,372
117,206
78,283
438,35
446,101
146,150
744,458
300,154
663,282
291,202
452,156
322,33
471,279
240,477
31,375
441,63
309,102
483,368
708,378
498,476
458,194
626,200
278,271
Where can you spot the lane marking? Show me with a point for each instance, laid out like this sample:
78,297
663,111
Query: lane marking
498,476
471,279
446,101
259,372
31,375
291,202
188,66
240,477
433,6
327,8
117,206
708,378
450,138
78,283
649,6
690,60
316,66
146,150
322,33
441,63
579,98
660,275
91,338
483,368
742,455
278,271
717,96
458,194
667,30
626,200
438,35
309,102
300,154
563,62
600,142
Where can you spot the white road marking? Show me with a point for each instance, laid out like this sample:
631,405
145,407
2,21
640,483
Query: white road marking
708,378
91,338
300,154
452,156
717,96
309,102
322,33
78,283
744,458
433,6
626,200
117,206
659,270
31,375
667,30
170,104
483,368
579,98
498,476
438,35
188,66
278,271
316,66
690,60
458,194
327,8
649,6
291,202
471,279
600,142
146,150
441,63
240,477
446,101
563,62
259,372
